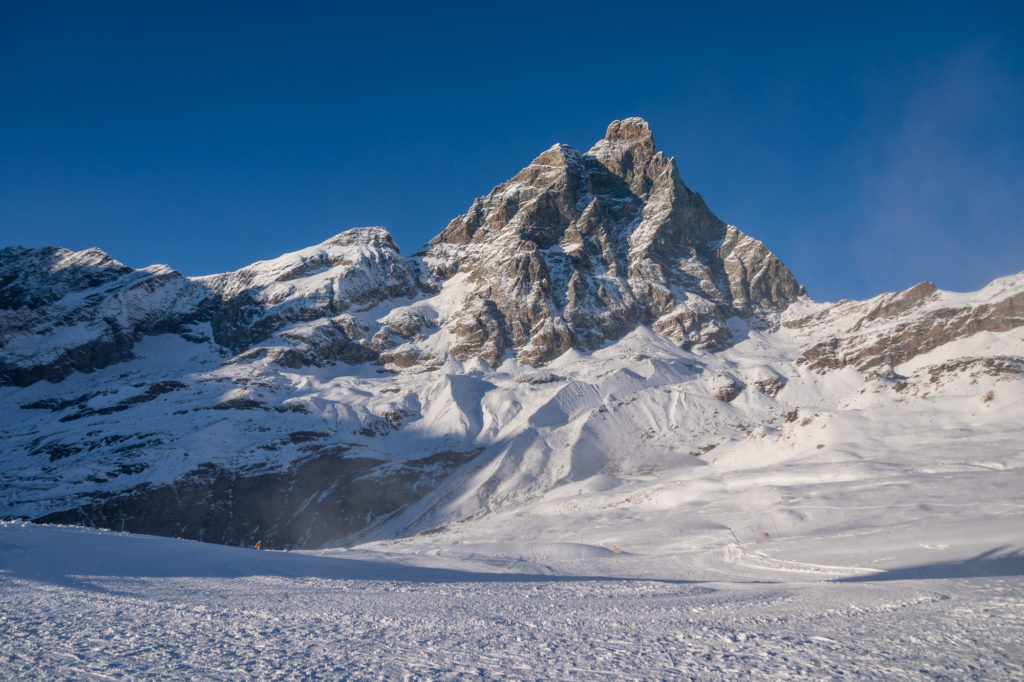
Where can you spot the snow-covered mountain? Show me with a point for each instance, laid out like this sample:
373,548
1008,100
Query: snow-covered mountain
588,334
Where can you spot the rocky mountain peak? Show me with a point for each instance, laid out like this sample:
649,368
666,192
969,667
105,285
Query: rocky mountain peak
372,237
628,142
33,277
633,129
628,152
577,250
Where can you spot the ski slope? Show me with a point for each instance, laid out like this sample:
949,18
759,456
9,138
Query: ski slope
86,604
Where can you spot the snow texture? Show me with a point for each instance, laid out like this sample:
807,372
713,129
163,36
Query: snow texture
82,604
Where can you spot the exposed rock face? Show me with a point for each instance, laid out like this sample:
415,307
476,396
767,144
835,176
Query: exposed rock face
32,278
315,500
726,388
893,328
354,270
578,249
64,311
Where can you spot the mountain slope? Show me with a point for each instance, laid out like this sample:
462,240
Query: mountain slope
62,311
588,334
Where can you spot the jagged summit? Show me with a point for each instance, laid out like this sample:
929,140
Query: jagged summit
630,138
631,134
633,128
577,250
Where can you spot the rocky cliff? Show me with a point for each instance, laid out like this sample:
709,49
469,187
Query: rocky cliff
578,249
885,331
64,311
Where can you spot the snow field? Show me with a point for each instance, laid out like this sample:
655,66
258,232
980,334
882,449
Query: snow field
82,604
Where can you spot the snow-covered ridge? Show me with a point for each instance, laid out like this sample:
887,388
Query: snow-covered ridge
350,260
65,311
892,328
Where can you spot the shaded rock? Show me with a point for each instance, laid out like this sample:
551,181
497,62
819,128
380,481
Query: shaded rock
537,378
726,388
33,278
64,311
315,500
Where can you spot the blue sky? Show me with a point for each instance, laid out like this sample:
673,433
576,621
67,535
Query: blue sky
870,146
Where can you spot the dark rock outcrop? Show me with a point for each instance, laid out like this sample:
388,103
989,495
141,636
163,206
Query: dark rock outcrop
317,499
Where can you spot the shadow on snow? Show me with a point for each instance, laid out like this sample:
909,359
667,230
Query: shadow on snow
70,557
997,562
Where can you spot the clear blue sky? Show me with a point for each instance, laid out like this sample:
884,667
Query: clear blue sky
870,146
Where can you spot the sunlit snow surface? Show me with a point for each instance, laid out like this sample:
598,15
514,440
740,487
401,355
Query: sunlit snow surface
81,604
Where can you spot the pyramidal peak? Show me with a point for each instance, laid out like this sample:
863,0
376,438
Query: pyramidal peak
577,250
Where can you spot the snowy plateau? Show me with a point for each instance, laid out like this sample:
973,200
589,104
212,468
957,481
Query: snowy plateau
589,431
